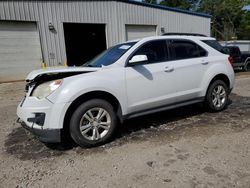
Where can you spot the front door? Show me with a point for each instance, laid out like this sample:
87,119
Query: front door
150,84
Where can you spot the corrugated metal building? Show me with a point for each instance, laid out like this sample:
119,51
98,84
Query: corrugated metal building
53,32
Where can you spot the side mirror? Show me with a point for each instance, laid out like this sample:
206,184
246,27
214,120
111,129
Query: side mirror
138,59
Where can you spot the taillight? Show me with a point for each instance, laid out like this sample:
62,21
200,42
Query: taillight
231,60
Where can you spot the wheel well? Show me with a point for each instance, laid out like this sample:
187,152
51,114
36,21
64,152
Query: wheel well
222,77
87,96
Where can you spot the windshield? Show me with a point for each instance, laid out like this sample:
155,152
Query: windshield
110,55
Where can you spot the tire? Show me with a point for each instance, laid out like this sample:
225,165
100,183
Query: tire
217,96
247,66
93,123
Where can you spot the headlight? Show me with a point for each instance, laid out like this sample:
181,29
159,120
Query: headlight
45,89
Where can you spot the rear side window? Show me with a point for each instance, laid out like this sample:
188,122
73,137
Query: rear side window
183,49
154,50
215,45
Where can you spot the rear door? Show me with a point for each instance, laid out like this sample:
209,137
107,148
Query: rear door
189,62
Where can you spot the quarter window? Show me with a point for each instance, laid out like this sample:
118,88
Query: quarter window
154,50
215,45
181,49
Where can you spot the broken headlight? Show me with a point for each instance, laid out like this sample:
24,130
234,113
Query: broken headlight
45,89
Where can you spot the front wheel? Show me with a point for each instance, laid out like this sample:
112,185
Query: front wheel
217,96
93,123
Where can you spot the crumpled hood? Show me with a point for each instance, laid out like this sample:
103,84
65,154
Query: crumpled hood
62,70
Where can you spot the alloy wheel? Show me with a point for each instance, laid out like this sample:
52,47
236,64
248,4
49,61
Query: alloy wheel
219,96
95,124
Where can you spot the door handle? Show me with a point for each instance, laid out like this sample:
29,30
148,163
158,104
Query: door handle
204,63
167,69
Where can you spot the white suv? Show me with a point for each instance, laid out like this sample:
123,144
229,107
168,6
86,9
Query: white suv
128,80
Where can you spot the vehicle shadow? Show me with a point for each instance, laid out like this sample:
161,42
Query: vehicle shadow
141,123
25,146
157,119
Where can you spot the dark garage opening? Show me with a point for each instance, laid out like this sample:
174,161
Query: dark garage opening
83,42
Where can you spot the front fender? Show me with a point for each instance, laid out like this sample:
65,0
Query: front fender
75,86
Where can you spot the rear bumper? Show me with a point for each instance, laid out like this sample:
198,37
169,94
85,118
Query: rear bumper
44,135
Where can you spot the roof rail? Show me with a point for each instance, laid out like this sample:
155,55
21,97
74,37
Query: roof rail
189,34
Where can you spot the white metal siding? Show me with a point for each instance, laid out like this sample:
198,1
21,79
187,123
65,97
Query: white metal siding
139,31
169,20
20,50
114,14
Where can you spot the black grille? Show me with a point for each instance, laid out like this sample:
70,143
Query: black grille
26,88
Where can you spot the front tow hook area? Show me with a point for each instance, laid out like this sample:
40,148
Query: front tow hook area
18,120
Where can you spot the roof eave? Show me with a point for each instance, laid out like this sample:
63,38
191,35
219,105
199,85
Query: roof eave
166,8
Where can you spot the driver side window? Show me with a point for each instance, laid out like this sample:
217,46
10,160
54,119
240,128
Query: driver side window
155,51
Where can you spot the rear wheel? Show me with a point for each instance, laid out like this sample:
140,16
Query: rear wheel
217,96
93,123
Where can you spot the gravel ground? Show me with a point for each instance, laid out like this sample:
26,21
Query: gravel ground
186,147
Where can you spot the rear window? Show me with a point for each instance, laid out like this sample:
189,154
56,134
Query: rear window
215,45
235,50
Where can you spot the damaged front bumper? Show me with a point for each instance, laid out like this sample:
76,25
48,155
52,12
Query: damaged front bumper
42,118
44,135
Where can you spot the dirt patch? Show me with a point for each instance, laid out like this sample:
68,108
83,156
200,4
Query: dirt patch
24,146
